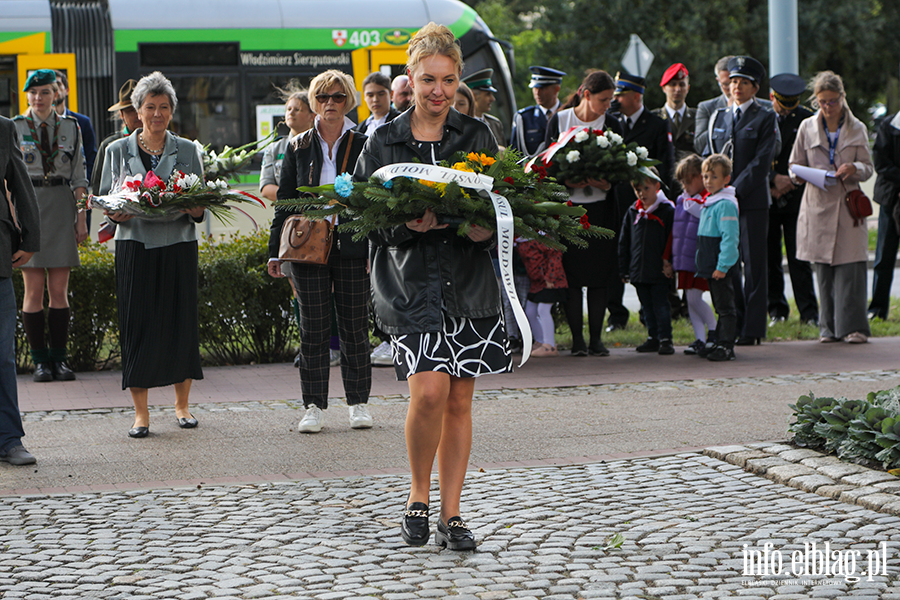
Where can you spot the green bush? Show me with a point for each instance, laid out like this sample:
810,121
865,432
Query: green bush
856,430
94,325
245,315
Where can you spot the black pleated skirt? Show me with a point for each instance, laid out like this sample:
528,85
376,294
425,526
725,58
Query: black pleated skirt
158,320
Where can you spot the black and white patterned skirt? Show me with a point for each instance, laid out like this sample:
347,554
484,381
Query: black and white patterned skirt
465,348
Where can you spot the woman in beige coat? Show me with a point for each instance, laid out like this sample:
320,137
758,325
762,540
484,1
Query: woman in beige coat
834,140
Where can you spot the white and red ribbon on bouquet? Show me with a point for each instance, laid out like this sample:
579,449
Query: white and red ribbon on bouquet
547,155
505,228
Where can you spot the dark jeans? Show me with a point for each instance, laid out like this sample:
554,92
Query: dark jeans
654,299
885,258
722,292
800,270
11,431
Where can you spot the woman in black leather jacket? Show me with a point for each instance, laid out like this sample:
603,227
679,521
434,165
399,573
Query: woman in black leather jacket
435,292
316,157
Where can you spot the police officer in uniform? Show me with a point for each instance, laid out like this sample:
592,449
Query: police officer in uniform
51,146
530,124
785,95
483,90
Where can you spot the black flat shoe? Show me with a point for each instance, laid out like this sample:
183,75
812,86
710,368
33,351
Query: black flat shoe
414,524
579,348
745,340
43,372
188,423
139,432
62,372
598,349
455,535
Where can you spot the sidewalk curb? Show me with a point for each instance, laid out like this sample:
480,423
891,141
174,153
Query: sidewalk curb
815,472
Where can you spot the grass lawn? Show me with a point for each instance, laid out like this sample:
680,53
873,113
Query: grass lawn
683,334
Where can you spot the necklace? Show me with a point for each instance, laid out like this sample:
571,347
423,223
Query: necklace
144,146
423,135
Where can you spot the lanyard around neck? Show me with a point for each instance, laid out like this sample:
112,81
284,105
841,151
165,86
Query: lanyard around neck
832,143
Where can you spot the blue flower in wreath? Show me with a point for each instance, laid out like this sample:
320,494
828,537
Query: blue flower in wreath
343,185
388,184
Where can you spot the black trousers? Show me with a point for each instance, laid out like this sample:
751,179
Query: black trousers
723,297
885,259
751,292
348,281
800,270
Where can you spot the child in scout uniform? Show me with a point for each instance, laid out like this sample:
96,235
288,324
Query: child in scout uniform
51,146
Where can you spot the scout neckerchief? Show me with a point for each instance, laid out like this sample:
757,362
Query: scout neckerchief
48,155
647,212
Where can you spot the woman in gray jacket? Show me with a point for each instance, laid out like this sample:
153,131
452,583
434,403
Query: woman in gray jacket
156,261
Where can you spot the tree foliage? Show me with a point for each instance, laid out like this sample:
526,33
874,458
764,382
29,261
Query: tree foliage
855,38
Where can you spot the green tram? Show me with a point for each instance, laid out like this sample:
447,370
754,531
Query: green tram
225,57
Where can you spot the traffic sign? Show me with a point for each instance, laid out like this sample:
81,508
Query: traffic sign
637,58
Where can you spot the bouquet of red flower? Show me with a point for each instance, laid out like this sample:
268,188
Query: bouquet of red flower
149,197
583,153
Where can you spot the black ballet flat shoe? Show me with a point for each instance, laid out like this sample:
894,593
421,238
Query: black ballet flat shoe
579,348
43,372
598,349
187,423
746,340
455,535
414,525
62,372
138,432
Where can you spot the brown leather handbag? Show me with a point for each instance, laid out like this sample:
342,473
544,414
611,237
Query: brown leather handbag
308,241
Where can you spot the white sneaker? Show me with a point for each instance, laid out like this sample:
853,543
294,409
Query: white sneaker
382,356
334,358
360,417
312,421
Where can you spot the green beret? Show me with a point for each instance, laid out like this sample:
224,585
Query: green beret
39,77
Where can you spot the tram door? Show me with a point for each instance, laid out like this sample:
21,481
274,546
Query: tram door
9,103
390,61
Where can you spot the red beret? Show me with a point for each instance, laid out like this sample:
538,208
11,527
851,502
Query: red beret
676,71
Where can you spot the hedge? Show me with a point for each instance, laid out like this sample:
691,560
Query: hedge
245,315
863,431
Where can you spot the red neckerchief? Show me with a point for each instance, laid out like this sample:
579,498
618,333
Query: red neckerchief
643,214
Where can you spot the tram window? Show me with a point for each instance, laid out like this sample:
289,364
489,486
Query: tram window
208,109
188,55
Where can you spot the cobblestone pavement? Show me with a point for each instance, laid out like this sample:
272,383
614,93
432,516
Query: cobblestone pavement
686,520
888,377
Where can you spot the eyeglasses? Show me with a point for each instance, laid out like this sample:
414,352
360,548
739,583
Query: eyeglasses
338,98
829,103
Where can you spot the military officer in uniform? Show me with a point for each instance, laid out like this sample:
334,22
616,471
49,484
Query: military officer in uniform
748,132
530,124
51,146
785,95
480,84
676,85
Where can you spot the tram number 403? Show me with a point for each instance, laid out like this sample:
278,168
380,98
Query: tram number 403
357,38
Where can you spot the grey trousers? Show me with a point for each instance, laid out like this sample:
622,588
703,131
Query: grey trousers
842,299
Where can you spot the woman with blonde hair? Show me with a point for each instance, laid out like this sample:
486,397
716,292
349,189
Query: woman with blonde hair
316,157
435,292
827,236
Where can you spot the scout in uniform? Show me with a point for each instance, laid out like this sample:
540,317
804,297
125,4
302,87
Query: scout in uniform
51,146
480,84
530,124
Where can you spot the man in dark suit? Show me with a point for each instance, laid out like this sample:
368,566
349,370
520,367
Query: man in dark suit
377,94
747,132
785,95
530,124
19,210
642,127
676,85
